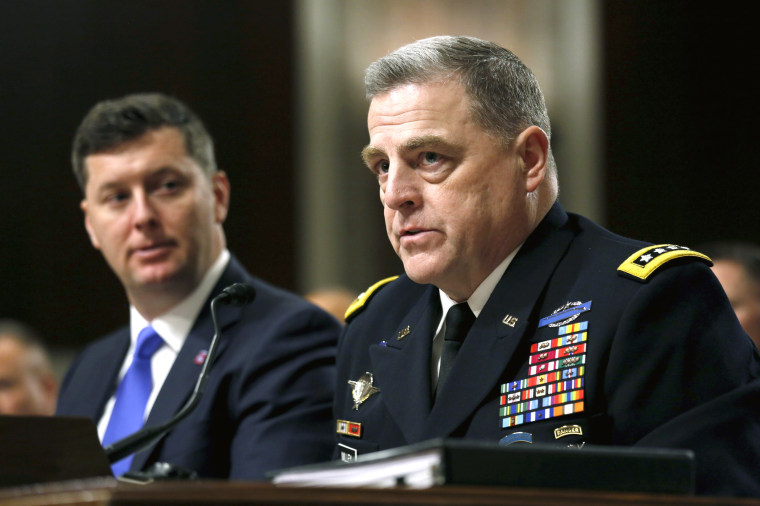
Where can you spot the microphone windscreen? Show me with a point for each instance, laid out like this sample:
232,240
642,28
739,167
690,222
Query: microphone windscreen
239,294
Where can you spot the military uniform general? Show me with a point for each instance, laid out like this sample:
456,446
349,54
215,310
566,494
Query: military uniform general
589,338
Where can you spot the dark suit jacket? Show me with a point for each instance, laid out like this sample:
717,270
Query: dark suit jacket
655,356
267,400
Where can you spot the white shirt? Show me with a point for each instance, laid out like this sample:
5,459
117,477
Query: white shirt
477,302
173,327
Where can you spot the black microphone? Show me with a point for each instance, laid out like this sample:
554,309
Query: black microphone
238,294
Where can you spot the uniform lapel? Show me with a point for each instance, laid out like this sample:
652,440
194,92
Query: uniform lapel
499,328
402,365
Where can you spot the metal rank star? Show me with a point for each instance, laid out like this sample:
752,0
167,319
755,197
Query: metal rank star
362,389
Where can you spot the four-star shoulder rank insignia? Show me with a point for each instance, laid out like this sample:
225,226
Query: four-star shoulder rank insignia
646,261
362,389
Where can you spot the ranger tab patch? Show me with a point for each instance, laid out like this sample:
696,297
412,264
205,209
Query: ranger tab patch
646,261
364,297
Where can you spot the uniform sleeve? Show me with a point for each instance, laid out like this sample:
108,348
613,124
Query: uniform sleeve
683,374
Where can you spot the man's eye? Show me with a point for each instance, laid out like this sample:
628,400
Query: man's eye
382,167
116,198
169,185
430,157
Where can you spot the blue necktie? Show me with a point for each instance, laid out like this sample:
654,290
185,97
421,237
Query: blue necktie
132,395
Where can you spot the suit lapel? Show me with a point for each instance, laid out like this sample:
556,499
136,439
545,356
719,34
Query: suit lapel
106,364
403,365
183,376
500,327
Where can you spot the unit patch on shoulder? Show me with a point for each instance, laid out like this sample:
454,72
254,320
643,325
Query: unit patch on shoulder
646,261
364,297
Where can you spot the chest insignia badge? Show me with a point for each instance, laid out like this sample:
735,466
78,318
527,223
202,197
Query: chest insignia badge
568,430
348,428
516,437
362,389
565,314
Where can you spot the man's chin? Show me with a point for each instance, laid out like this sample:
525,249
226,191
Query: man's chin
156,279
420,272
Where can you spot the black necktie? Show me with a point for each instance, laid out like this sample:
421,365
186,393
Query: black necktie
459,319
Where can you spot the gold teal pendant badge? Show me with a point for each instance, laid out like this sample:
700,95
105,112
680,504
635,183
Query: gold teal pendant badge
362,389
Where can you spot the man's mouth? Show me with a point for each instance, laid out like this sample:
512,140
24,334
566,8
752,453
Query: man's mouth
152,248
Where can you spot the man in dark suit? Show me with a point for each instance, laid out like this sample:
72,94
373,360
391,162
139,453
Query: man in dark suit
564,332
154,204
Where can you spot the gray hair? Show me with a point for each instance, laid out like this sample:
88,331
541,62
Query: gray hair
111,123
505,95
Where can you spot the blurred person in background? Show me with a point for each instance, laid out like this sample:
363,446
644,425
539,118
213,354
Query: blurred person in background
28,385
737,266
333,299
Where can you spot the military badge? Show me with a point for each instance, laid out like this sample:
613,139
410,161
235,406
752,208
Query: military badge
509,320
555,384
568,430
347,428
565,314
347,454
516,437
643,263
362,389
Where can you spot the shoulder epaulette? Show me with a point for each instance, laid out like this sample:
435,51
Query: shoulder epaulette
646,261
361,301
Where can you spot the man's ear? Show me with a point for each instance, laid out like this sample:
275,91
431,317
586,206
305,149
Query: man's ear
88,225
220,187
533,149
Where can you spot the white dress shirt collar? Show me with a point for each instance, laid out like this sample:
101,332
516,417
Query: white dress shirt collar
482,293
175,325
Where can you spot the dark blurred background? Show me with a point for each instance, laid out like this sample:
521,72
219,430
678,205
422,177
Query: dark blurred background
230,61
678,159
680,127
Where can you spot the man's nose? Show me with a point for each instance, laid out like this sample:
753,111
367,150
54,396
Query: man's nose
145,214
401,188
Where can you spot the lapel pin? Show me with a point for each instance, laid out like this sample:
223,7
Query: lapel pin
509,320
201,357
362,389
403,333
